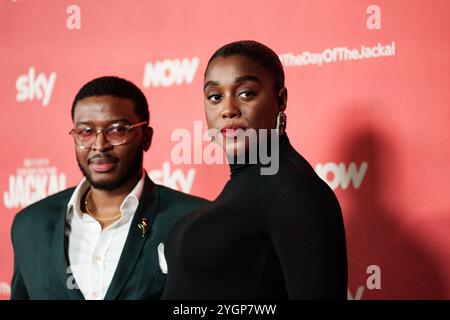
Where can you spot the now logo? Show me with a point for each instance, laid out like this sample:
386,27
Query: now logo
169,72
32,86
339,175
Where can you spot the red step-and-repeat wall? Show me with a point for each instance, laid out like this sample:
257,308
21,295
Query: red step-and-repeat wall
368,106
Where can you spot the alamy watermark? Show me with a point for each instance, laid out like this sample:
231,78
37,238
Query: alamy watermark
233,146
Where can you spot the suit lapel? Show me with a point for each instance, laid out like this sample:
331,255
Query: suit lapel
147,209
60,259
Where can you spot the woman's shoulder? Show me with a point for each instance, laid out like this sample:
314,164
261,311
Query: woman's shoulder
302,184
299,181
294,169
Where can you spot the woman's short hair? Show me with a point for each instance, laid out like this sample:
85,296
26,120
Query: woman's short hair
256,52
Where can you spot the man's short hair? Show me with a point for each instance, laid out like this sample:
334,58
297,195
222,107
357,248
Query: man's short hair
117,87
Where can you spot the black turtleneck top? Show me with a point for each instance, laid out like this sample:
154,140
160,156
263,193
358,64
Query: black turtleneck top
265,237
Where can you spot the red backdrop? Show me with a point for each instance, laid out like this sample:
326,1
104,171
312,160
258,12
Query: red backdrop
368,107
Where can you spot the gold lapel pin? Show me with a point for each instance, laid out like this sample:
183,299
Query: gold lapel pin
143,226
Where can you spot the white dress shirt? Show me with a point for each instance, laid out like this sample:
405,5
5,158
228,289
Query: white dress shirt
94,253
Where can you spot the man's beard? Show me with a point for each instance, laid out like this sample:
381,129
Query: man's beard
126,174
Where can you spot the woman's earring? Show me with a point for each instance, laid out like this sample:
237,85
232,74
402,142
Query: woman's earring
281,122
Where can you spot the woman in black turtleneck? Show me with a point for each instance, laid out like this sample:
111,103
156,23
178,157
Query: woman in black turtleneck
278,236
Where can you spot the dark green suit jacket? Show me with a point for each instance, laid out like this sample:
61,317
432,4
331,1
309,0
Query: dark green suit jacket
41,268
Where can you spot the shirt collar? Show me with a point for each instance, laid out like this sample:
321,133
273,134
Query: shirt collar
127,208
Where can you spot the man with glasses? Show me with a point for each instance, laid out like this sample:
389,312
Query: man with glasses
105,238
